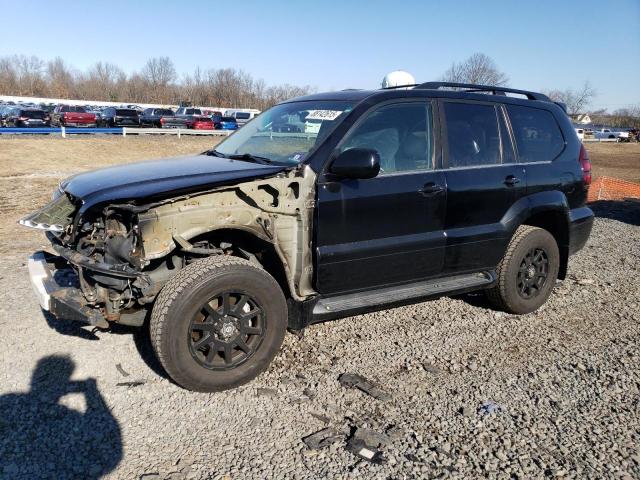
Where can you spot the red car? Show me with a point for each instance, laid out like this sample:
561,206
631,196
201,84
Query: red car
72,116
202,123
187,121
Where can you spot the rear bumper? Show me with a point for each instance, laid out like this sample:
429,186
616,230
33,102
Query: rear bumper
56,286
580,224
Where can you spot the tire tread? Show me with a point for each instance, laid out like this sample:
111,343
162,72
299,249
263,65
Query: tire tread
181,282
497,294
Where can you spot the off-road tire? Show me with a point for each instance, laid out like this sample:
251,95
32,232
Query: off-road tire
178,302
504,296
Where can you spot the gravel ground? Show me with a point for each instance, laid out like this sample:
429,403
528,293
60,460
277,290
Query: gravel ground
474,393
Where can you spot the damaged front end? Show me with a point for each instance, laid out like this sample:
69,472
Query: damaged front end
112,260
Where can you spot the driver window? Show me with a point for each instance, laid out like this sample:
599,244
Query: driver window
401,133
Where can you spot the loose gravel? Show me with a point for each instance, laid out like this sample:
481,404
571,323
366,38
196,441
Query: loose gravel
474,392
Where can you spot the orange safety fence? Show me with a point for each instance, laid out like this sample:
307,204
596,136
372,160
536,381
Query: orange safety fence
609,188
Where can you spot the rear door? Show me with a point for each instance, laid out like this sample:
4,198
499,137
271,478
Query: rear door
539,142
388,229
483,182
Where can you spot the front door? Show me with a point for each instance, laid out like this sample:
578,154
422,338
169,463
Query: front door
388,229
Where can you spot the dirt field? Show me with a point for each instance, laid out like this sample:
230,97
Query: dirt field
618,160
474,393
31,167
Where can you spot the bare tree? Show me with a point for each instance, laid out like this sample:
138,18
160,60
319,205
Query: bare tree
60,79
479,69
155,83
160,74
577,101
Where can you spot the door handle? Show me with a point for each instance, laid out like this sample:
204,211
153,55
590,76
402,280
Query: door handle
511,180
430,188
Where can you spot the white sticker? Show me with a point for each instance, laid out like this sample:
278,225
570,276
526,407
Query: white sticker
323,114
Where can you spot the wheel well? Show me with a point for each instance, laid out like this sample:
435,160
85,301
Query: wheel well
264,251
555,223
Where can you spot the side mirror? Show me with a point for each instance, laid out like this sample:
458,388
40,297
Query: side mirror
356,163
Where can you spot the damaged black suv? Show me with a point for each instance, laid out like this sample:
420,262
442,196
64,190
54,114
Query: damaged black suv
321,207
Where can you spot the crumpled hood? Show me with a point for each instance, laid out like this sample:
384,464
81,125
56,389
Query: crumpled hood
156,179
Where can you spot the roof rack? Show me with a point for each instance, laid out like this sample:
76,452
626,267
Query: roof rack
471,88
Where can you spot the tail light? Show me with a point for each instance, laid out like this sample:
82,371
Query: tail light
23,119
585,165
162,120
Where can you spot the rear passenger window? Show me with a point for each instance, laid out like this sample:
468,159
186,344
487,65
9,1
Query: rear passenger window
472,134
400,133
538,136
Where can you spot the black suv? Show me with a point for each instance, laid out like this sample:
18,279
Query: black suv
152,116
375,199
119,117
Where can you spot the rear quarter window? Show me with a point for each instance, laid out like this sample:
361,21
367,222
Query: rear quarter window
537,134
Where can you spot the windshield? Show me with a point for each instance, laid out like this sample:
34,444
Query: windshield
288,132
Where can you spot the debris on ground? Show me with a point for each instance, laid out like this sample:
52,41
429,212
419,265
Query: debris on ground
322,438
319,416
121,370
354,380
266,392
135,383
489,407
366,444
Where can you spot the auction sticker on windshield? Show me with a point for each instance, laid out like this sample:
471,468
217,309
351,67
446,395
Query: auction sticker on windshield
323,115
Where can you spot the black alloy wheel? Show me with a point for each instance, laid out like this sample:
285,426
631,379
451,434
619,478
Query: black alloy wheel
533,273
226,331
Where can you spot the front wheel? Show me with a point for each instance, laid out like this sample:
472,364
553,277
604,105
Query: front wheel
528,271
218,323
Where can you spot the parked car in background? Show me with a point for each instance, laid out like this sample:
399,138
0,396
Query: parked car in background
26,117
4,111
72,116
610,134
189,111
152,116
198,122
202,123
580,133
119,117
225,123
242,116
183,118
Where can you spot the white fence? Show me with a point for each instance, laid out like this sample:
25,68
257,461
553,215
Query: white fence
173,131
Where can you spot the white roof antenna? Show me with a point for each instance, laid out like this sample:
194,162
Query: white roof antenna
398,78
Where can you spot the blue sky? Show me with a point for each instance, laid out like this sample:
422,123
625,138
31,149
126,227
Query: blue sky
345,44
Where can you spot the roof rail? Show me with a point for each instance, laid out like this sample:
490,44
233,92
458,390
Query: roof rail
470,87
397,87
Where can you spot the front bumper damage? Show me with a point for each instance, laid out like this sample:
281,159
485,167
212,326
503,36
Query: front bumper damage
57,288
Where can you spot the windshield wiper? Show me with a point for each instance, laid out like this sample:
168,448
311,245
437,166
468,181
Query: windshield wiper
214,153
251,158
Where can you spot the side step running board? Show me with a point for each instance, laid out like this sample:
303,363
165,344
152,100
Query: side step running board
360,302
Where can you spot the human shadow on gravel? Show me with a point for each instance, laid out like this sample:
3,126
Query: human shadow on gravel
627,211
41,438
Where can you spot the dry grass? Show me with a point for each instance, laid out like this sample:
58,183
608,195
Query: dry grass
31,167
618,160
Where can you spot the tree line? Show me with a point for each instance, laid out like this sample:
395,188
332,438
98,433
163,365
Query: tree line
156,82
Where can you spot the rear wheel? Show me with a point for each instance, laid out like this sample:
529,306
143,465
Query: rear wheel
218,323
528,271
